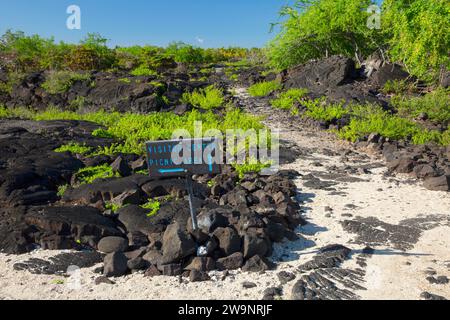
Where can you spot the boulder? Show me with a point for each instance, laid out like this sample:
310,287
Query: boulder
76,222
112,244
229,240
173,269
201,264
153,257
137,264
329,72
441,183
232,262
285,277
135,219
152,271
115,265
177,244
210,220
198,276
121,167
256,264
254,245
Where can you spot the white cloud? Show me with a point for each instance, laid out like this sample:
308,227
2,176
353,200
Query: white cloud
200,40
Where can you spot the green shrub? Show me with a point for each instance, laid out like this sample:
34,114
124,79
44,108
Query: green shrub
74,148
89,174
112,206
319,109
91,54
418,35
61,81
77,104
436,105
185,53
397,87
263,89
287,100
14,78
372,119
143,70
250,167
317,28
207,98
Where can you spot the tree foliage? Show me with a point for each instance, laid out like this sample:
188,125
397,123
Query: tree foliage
415,33
418,34
317,28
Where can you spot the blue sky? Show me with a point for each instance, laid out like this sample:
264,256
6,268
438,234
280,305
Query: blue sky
207,23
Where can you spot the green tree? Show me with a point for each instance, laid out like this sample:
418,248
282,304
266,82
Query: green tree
418,33
317,28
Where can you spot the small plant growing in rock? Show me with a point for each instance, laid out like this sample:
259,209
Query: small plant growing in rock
112,206
263,89
74,148
89,174
153,206
62,189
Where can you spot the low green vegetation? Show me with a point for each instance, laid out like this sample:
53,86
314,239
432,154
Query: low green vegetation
397,87
131,131
78,103
89,174
263,89
249,167
372,119
61,81
434,105
153,206
208,98
112,206
124,80
319,109
74,148
398,125
143,70
288,100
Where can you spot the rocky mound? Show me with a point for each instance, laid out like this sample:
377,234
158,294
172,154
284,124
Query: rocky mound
338,79
239,219
112,91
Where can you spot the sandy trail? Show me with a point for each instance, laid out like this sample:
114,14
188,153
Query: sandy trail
347,198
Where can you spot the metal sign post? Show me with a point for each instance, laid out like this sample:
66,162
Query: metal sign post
190,190
162,165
